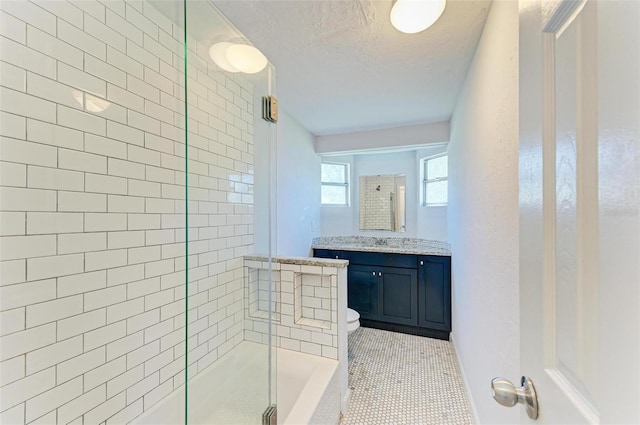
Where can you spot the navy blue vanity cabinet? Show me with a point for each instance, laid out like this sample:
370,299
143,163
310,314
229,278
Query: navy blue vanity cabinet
384,294
398,292
363,287
382,286
434,292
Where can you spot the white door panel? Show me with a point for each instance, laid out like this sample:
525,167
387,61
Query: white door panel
579,233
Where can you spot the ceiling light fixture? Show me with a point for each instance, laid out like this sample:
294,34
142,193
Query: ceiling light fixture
218,53
412,16
233,57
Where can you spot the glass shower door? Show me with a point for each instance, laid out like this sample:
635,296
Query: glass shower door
231,285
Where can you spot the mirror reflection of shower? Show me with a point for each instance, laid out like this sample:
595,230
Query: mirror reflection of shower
382,202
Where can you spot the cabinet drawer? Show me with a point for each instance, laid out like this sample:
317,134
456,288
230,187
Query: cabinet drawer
327,253
380,259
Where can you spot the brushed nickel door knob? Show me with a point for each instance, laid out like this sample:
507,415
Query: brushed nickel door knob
505,393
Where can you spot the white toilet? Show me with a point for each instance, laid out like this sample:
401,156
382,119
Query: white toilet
353,320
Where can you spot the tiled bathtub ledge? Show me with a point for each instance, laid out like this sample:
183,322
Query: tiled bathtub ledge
309,311
392,245
304,302
302,261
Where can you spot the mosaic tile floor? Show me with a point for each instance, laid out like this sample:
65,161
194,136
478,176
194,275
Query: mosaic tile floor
400,379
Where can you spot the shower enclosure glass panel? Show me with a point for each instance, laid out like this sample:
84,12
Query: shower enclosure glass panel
231,305
135,180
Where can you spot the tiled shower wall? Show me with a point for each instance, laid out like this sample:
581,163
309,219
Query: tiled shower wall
376,194
305,303
92,279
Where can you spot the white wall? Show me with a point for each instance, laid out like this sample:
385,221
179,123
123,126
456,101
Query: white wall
483,214
406,136
421,222
376,152
298,189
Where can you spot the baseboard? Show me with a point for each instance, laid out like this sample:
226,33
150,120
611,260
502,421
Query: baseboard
344,408
472,404
407,329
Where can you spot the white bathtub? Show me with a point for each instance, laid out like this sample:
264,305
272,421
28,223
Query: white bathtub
233,390
308,389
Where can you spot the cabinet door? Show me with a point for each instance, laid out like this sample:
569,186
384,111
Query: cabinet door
434,292
398,288
362,284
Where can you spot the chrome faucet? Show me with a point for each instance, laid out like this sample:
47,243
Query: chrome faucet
381,241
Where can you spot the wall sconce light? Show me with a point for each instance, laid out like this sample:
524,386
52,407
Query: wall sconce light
412,16
235,57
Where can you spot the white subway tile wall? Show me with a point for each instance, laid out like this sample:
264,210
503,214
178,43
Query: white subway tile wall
259,285
92,201
306,300
376,194
315,303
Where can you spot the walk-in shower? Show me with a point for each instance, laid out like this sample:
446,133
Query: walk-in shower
136,177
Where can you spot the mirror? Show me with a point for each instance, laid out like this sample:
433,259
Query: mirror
382,202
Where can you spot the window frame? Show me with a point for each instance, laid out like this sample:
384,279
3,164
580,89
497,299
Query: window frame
346,184
425,181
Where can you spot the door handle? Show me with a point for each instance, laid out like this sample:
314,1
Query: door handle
505,393
379,273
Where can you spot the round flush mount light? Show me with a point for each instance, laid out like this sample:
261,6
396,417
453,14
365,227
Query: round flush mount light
234,57
246,58
412,16
218,53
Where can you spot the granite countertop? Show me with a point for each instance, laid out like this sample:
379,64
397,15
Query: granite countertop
391,245
305,261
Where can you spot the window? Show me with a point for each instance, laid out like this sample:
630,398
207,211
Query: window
335,184
435,171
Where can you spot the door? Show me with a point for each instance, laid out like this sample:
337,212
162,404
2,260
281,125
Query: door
398,289
434,292
579,226
362,292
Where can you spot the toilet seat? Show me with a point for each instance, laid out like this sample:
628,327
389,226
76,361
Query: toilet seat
352,315
353,320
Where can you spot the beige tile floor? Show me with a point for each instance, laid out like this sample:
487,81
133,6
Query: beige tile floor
403,379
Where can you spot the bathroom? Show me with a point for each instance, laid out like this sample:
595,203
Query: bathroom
156,227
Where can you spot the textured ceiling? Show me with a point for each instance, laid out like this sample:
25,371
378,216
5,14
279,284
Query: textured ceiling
342,67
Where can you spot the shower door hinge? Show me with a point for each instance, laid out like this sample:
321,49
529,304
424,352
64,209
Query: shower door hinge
270,416
270,108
